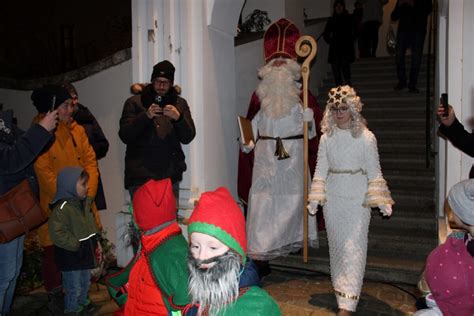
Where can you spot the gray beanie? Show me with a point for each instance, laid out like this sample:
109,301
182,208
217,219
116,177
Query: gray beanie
461,200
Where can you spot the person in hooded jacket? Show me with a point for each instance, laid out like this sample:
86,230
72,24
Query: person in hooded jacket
18,150
153,125
75,235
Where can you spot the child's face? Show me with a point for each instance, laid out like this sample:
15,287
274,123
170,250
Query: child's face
342,115
81,188
204,247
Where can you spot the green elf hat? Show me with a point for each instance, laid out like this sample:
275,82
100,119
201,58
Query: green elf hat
218,215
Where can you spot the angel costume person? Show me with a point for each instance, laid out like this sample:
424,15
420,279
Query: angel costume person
275,221
347,182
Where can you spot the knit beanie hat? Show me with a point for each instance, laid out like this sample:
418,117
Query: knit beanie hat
218,215
163,69
43,97
154,204
461,200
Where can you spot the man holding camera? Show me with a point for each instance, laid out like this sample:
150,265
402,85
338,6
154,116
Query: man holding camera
153,125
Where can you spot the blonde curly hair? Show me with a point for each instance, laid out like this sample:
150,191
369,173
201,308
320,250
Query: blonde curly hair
344,95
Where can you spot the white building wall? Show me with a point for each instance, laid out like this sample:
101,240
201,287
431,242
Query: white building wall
317,9
456,77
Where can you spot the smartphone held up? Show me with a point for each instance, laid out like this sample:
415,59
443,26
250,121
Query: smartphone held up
444,103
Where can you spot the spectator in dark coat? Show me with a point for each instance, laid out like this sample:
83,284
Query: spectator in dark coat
83,116
339,33
454,131
153,125
17,153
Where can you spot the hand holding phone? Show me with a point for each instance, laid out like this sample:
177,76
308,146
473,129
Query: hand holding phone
444,103
53,103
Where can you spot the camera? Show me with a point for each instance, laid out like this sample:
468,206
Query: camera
162,101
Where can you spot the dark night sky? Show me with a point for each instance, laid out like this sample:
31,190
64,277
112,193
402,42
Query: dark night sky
51,37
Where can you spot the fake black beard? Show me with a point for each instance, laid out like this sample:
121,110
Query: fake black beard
217,286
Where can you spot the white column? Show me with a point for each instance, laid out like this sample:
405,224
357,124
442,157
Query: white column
454,81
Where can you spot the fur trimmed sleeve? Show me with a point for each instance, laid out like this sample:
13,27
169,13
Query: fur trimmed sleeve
377,189
318,185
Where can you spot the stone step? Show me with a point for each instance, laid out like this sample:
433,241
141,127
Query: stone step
394,100
386,80
378,75
377,122
402,163
410,183
415,213
386,269
402,154
403,147
389,60
387,91
394,112
385,66
400,219
427,172
407,191
423,202
400,136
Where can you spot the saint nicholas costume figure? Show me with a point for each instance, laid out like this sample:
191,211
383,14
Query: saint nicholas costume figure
271,170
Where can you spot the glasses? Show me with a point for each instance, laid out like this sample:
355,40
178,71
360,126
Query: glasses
161,82
341,110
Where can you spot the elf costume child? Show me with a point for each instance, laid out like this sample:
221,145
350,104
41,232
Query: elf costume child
155,281
222,280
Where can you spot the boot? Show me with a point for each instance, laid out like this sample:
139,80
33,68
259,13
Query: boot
89,308
263,268
56,302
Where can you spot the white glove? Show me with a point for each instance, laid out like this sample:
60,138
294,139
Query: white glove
313,207
246,148
308,115
385,209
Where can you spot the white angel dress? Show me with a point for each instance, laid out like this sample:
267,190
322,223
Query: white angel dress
347,182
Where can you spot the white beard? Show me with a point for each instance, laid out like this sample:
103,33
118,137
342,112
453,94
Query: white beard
217,286
278,91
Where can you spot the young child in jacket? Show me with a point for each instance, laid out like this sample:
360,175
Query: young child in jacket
74,234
